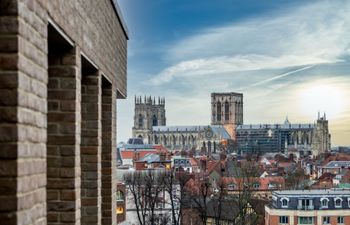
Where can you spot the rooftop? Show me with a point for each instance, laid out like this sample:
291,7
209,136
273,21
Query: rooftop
314,192
218,130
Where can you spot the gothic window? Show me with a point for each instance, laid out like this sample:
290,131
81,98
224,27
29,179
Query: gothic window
140,121
155,139
183,140
165,140
154,121
218,111
227,111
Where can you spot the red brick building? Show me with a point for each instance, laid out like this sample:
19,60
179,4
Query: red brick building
62,67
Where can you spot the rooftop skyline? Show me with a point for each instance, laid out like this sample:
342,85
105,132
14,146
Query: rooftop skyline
288,59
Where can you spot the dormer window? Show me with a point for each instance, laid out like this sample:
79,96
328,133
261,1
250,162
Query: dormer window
231,186
338,202
324,203
284,202
272,186
256,186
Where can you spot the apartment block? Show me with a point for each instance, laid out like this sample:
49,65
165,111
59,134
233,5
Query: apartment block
296,207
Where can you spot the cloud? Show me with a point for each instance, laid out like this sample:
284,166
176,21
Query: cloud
307,35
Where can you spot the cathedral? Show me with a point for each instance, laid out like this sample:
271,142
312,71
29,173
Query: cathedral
227,130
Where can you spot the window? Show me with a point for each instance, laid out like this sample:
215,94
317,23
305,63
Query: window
227,111
231,187
326,220
120,210
284,219
306,220
338,202
256,185
324,202
272,186
340,219
154,121
218,111
284,203
305,204
140,121
120,196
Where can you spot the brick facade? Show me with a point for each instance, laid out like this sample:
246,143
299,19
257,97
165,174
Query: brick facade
62,66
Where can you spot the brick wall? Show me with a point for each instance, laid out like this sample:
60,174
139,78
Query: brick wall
23,79
63,144
91,148
41,110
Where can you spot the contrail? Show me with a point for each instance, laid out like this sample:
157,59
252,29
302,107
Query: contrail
276,77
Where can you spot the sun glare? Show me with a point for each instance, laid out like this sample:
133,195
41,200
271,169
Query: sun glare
322,98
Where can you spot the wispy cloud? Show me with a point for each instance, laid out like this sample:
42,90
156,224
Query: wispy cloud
276,77
311,34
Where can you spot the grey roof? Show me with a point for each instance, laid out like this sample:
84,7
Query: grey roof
149,158
344,164
135,146
217,129
333,191
177,128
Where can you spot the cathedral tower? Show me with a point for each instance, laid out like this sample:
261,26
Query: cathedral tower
227,108
321,140
149,112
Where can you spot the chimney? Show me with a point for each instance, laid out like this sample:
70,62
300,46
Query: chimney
162,156
136,156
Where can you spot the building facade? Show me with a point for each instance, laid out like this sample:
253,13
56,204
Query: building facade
62,67
188,137
296,207
306,139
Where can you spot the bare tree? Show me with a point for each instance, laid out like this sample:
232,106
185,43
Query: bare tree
200,196
243,197
174,184
145,187
296,179
219,196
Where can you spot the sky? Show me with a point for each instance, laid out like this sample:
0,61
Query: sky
290,58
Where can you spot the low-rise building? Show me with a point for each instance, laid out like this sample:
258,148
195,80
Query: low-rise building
334,167
296,207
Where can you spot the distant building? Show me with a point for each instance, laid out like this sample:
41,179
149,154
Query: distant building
150,123
186,164
296,207
148,113
333,167
226,126
188,137
133,150
305,139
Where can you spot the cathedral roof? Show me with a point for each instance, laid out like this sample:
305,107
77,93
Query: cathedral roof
218,130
